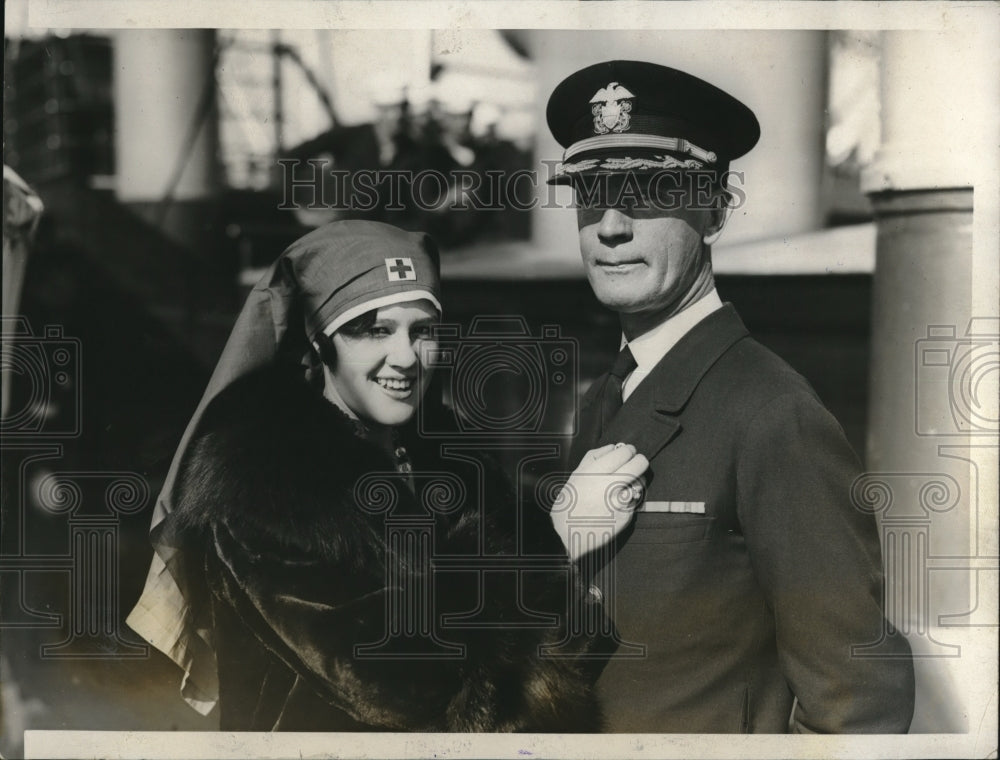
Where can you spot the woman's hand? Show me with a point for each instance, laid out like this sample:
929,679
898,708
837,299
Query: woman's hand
599,498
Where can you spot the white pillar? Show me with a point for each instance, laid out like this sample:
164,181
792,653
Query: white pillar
933,337
159,79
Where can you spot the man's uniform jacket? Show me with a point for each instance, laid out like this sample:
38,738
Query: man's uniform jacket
294,568
760,598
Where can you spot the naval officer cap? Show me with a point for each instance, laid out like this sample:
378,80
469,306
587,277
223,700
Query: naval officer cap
621,116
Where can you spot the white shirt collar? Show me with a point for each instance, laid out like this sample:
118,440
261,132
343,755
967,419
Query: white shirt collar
654,344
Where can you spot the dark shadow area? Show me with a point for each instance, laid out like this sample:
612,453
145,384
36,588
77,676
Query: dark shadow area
118,414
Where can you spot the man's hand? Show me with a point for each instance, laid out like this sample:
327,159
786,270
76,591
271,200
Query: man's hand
599,498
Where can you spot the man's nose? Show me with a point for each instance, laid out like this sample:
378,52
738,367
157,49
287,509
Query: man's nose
615,227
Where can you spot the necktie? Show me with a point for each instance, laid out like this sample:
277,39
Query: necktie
612,400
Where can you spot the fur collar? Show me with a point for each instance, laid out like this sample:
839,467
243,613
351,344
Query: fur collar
278,462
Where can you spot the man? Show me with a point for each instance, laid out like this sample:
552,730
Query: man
747,582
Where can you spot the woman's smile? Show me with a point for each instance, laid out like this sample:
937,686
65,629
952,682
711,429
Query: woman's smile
397,388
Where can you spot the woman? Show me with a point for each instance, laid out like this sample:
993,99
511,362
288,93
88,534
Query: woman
296,579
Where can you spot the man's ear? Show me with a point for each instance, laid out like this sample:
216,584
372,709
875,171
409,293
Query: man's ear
717,220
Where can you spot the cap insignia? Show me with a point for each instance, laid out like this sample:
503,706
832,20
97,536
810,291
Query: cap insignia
611,107
400,269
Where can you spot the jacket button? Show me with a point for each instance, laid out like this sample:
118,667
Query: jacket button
595,593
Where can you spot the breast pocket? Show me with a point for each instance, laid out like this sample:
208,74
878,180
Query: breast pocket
671,528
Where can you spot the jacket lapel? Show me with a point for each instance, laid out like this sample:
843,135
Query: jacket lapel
649,418
649,430
590,422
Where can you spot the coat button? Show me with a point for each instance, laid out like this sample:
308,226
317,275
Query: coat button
595,593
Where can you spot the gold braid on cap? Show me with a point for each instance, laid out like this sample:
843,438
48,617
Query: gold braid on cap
628,164
636,140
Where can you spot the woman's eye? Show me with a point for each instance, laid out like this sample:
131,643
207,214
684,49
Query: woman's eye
423,332
379,332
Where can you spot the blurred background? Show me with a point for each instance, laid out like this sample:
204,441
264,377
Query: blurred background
174,166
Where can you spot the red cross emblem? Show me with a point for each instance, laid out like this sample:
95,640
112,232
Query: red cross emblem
400,269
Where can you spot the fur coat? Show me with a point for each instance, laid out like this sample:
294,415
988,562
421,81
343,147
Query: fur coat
296,574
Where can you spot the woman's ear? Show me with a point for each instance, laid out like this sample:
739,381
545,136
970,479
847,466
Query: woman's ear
324,347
